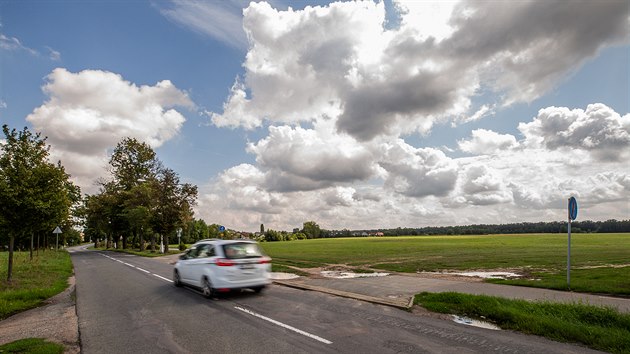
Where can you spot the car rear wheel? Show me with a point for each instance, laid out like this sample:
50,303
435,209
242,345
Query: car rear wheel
206,288
258,289
177,281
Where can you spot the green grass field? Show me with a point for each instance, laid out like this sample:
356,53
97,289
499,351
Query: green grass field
33,281
542,256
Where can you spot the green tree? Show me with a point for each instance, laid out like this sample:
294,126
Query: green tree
174,203
213,231
138,203
133,165
35,193
196,230
262,228
311,229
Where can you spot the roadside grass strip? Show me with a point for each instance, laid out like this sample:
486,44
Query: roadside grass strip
32,346
600,328
33,281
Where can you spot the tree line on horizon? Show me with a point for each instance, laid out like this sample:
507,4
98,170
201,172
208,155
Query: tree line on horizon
588,226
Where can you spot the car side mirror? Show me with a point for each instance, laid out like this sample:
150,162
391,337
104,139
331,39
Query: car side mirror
183,256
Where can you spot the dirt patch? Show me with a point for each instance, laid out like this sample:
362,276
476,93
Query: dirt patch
604,266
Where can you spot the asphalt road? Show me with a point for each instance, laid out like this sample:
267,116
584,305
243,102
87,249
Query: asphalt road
127,304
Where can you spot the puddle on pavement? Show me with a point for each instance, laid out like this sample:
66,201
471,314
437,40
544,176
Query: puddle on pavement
283,276
348,275
475,323
484,275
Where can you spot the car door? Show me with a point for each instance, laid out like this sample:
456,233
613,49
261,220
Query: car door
201,264
185,265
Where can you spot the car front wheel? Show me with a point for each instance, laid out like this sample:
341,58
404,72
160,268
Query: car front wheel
177,281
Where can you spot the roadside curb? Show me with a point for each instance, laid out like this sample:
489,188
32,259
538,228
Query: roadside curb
403,305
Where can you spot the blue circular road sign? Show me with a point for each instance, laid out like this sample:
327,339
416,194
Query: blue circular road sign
573,208
221,228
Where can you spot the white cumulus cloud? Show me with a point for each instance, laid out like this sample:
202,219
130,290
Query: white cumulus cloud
598,129
89,112
487,142
340,62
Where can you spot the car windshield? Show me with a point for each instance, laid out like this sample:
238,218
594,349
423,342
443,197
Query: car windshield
242,250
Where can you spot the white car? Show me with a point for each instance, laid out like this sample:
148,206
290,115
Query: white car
223,265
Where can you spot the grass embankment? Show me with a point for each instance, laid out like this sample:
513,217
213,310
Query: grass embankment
541,257
32,346
597,327
33,281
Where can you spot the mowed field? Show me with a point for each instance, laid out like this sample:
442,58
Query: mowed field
600,262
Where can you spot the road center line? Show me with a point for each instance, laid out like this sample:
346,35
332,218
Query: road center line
143,270
138,268
326,341
161,277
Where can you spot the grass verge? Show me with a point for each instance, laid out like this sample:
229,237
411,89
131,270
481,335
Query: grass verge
32,346
33,281
599,328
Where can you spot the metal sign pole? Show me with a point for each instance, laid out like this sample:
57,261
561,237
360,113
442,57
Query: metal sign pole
57,231
569,254
572,210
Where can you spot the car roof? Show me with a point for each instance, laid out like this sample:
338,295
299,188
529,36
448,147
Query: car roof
223,242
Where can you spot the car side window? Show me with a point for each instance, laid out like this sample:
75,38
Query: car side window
192,253
206,251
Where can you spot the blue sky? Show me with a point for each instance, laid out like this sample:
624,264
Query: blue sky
355,115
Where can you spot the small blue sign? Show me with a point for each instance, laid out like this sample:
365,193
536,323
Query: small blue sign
573,208
221,228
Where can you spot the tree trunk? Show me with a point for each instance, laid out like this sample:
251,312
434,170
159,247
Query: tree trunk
141,241
124,243
37,244
10,270
165,239
31,250
153,243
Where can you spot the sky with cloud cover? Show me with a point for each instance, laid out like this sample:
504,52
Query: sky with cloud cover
353,114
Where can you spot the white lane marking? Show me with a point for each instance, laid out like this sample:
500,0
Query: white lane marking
138,268
326,341
161,277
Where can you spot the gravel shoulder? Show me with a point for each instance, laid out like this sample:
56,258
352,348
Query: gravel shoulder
55,321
